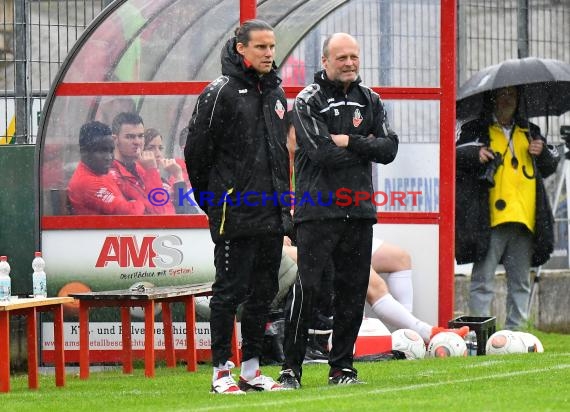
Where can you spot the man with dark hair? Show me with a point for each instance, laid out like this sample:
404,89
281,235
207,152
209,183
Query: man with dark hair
135,170
341,128
236,145
92,190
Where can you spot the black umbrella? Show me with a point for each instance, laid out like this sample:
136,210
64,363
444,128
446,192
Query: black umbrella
544,85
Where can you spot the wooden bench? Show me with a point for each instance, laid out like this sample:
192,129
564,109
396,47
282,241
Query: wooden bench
146,298
29,307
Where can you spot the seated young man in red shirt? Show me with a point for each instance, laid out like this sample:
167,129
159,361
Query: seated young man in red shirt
92,190
136,170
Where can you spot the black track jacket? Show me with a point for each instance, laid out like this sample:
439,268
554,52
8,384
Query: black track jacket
236,152
330,181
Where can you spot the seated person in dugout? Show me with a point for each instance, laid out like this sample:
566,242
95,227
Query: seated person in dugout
92,190
171,172
136,170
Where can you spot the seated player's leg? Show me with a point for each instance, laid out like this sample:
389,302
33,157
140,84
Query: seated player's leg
391,312
396,263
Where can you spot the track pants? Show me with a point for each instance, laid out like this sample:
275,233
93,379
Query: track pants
348,244
246,272
511,243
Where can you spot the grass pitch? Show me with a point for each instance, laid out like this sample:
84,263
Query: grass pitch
529,382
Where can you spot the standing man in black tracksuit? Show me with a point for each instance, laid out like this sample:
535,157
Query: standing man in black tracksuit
341,128
238,165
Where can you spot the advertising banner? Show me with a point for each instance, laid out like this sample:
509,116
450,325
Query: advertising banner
105,339
411,182
107,335
94,260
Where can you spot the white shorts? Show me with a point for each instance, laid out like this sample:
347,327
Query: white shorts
376,243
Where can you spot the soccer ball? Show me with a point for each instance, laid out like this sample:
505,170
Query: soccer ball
445,345
531,342
505,342
409,342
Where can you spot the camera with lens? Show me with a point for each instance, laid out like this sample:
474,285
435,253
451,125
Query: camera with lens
488,175
565,135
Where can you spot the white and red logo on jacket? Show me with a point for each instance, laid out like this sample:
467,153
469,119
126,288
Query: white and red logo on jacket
356,118
279,109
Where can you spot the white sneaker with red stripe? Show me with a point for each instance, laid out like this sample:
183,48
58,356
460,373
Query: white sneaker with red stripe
259,383
225,384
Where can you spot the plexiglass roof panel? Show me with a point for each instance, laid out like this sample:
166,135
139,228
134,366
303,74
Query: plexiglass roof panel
173,40
103,55
142,36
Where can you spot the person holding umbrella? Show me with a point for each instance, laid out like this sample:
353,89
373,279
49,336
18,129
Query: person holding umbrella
502,212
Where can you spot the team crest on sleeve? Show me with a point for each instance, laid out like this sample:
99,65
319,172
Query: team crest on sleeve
356,118
105,195
279,109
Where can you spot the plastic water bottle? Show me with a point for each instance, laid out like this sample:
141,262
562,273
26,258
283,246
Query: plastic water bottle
471,343
5,281
39,276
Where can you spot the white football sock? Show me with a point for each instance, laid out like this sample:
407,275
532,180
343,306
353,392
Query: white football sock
249,368
401,287
390,311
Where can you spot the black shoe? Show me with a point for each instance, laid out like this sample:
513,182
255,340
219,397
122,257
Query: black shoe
288,379
272,351
315,355
344,376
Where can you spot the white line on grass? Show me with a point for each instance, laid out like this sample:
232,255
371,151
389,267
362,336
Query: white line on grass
338,395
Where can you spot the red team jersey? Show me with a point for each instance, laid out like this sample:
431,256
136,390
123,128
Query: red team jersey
118,192
92,194
138,186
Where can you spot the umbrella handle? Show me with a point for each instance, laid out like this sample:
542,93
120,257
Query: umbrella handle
527,175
